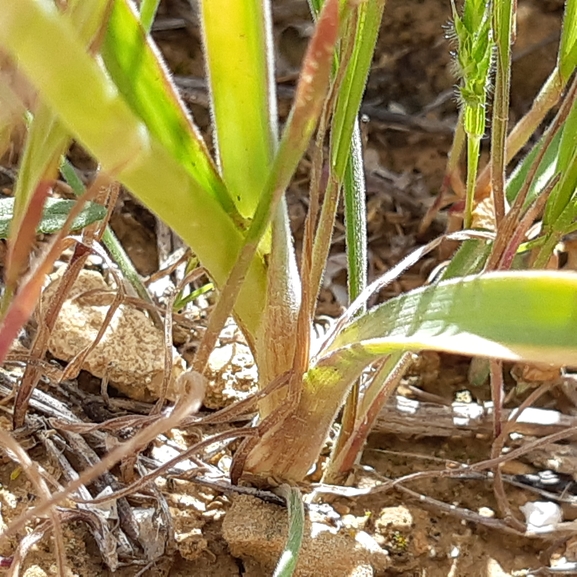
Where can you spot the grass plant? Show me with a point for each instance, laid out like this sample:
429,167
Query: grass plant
98,56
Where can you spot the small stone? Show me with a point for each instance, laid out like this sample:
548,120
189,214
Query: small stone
257,530
341,508
393,518
131,351
357,523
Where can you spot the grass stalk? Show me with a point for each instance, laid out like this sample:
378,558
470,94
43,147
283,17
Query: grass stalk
472,32
357,266
548,96
502,34
473,152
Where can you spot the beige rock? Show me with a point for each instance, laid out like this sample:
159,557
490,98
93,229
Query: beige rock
35,571
494,569
257,531
396,518
131,352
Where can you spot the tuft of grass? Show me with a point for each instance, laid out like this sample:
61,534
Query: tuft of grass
493,301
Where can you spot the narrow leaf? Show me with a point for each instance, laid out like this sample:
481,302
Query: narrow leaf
144,81
351,92
356,218
566,163
148,10
242,88
546,170
568,44
296,514
54,215
126,149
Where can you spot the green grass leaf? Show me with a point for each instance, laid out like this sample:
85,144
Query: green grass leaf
566,165
145,84
296,513
53,216
148,10
546,170
568,44
237,41
369,15
60,68
528,315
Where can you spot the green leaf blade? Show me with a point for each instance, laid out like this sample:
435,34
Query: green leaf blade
349,100
568,44
54,215
296,513
238,45
528,315
59,66
145,84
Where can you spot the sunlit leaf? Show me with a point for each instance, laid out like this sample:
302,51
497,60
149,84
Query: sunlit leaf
241,75
526,315
568,44
144,81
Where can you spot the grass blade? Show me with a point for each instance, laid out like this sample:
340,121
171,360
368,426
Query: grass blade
356,219
46,141
148,10
568,44
53,216
545,171
518,316
361,36
127,150
237,41
144,82
524,315
566,162
368,21
296,514
357,259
